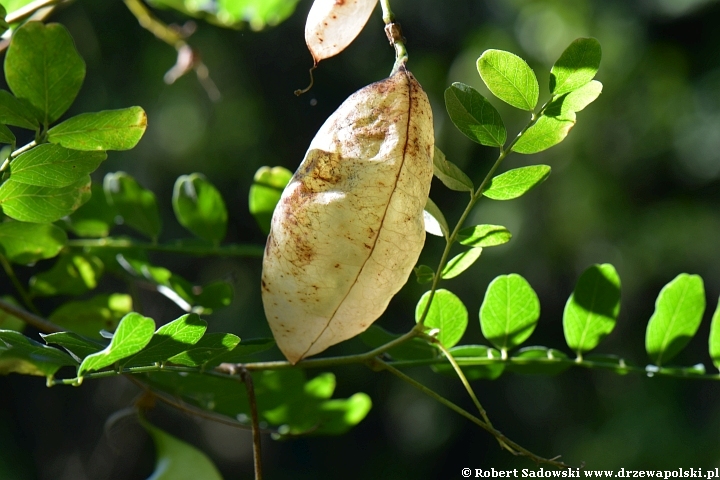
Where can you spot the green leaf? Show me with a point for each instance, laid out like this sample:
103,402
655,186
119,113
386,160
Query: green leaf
509,312
538,361
133,333
170,340
177,460
341,414
577,100
54,166
488,367
30,203
28,357
209,347
592,309
678,312
447,313
9,321
14,112
95,218
78,346
43,67
458,264
474,116
6,136
29,242
72,274
258,13
136,205
435,223
509,78
577,65
213,296
424,274
484,236
199,207
242,352
88,317
265,193
547,132
4,25
416,349
517,182
107,130
449,173
714,342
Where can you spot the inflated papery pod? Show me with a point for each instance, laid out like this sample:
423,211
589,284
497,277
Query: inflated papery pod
349,226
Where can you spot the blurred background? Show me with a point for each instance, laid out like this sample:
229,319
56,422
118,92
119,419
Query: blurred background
636,184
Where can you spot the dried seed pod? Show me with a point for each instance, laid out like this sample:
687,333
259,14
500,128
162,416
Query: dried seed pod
349,226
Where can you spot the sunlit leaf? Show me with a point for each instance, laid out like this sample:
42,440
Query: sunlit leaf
447,313
54,166
678,311
474,116
206,349
43,67
88,317
73,274
538,361
30,203
577,100
416,349
517,182
170,340
331,25
29,242
19,354
257,13
435,223
545,133
714,342
78,346
509,78
265,193
424,274
136,205
461,262
577,65
133,333
177,460
592,309
16,113
199,207
509,312
108,130
449,173
484,236
488,367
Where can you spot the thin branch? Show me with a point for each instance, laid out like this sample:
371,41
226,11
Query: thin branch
29,318
17,284
246,377
231,250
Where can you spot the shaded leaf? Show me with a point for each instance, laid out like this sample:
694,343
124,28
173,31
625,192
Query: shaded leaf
136,205
170,340
28,357
517,182
538,361
88,317
592,309
78,346
133,333
449,173
107,130
213,296
435,223
206,349
199,207
416,349
6,136
177,460
509,78
54,166
29,242
447,313
43,67
242,352
95,218
509,312
474,116
484,236
16,113
714,342
424,274
30,203
488,367
9,321
678,312
461,262
72,274
577,65
265,193
331,25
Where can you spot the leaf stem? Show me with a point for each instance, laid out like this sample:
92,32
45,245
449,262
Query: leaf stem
394,35
231,250
246,377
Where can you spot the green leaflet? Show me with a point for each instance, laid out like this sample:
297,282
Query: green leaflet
95,218
78,346
107,130
577,65
19,354
517,182
509,78
447,313
424,274
31,203
6,136
9,321
435,223
29,242
509,312
461,262
236,13
209,348
714,341
136,205
54,166
474,116
592,309
449,173
133,333
265,192
678,312
199,207
72,274
88,317
481,236
14,112
43,68
479,353
170,340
